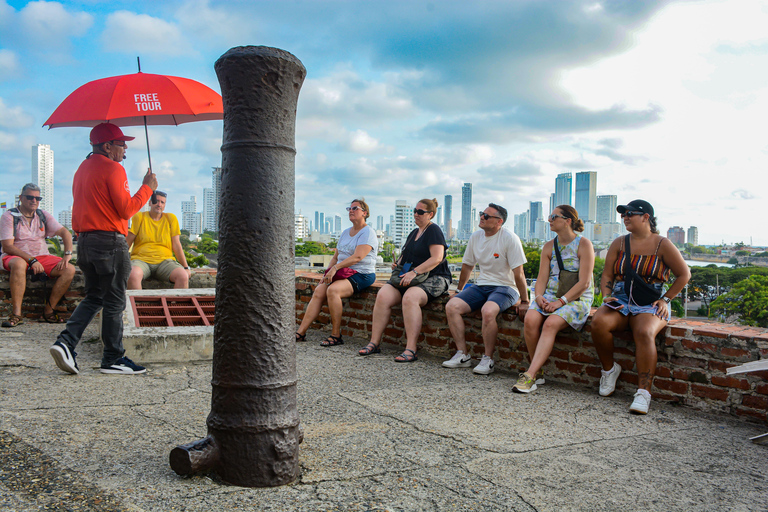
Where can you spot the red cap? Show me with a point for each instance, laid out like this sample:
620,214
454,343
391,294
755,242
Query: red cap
106,132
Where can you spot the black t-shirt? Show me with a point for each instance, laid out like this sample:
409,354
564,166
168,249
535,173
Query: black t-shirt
417,252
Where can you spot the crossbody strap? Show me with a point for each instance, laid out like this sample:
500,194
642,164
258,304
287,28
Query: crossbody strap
557,255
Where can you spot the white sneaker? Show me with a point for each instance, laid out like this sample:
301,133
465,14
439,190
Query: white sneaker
540,378
459,360
608,382
485,367
641,403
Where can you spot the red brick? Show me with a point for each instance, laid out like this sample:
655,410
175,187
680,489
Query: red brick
393,332
428,329
658,395
709,392
719,366
573,368
675,386
689,362
761,374
735,352
560,354
570,342
581,357
435,342
507,331
581,380
663,371
630,378
743,411
677,331
762,388
305,299
756,402
710,333
730,382
698,345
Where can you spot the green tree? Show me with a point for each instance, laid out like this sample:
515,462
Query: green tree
597,272
388,251
310,248
533,255
208,246
747,299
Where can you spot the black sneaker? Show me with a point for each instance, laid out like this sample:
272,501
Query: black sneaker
123,366
64,358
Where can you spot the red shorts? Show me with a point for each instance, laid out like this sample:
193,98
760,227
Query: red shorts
48,262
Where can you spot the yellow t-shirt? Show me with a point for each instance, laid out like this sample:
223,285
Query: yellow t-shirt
153,237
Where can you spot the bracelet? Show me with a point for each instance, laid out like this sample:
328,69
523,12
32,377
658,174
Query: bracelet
564,299
31,262
186,268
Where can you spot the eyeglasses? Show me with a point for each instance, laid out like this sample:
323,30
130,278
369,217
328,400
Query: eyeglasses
33,198
631,214
419,211
117,143
353,208
555,216
486,216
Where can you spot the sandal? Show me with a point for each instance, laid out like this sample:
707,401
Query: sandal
301,337
371,348
13,321
332,341
406,358
53,317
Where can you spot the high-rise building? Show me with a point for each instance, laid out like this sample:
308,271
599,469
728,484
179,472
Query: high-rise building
189,217
475,220
380,223
321,223
403,222
42,174
466,212
216,185
676,235
65,218
301,226
337,224
317,226
448,217
552,202
586,195
606,209
439,216
693,235
521,228
534,213
209,210
563,189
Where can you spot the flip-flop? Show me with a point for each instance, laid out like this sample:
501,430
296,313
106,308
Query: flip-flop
332,341
369,349
406,358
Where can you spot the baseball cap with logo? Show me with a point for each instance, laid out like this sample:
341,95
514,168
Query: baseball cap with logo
106,132
638,205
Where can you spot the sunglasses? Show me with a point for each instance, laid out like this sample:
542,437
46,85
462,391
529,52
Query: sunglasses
554,216
631,214
419,211
353,208
486,216
117,143
33,198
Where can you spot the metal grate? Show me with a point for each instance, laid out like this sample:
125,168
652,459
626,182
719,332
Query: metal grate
173,311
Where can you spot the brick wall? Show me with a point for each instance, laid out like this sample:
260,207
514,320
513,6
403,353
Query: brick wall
693,356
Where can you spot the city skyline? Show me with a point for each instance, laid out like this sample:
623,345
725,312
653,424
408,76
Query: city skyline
412,100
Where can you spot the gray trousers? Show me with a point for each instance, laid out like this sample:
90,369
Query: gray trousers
104,259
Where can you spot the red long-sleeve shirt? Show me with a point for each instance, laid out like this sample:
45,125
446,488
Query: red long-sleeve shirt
102,199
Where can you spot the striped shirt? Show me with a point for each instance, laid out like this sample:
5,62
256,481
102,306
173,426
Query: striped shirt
651,267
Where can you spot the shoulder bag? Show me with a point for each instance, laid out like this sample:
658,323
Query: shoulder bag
568,278
396,277
638,291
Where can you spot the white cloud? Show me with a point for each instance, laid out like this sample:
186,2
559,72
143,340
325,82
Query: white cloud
49,24
128,32
14,117
9,64
360,142
226,27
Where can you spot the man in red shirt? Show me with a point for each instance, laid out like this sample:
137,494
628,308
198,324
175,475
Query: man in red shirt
100,212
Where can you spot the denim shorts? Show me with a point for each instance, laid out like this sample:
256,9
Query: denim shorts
360,281
634,309
476,296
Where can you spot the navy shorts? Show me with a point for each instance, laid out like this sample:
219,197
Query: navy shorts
475,296
360,281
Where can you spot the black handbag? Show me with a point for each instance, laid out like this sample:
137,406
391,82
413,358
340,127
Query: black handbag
395,278
638,291
568,278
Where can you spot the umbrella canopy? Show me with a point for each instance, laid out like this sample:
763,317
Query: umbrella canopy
138,99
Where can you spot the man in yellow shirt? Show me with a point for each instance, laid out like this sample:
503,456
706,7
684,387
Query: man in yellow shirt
155,238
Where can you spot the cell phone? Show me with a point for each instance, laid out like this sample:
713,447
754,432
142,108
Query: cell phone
614,304
406,268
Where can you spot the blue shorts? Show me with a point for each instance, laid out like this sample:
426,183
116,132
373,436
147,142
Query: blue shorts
360,281
476,296
634,309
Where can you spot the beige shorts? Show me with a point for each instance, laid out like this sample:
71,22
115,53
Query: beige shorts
161,271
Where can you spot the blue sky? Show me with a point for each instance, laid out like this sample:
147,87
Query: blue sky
667,101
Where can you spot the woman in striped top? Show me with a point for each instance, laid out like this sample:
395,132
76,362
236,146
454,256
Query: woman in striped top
652,258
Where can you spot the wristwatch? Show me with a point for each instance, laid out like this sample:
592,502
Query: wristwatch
67,253
666,299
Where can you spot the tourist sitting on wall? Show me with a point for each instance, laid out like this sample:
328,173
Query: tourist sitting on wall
25,251
156,239
423,275
636,267
352,269
563,292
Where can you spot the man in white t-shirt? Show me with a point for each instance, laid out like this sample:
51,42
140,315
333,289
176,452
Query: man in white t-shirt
500,256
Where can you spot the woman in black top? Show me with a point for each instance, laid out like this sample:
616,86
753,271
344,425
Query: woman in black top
424,249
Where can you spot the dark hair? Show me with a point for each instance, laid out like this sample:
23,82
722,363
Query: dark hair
364,205
570,212
431,205
153,197
502,211
652,221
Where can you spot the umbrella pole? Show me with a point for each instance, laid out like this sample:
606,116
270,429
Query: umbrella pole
146,134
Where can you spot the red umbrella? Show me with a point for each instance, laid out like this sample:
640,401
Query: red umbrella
138,99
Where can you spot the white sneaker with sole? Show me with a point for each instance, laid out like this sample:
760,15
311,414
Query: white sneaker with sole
485,367
641,403
459,360
608,381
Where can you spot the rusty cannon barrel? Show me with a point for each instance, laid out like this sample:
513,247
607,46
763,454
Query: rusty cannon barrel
253,427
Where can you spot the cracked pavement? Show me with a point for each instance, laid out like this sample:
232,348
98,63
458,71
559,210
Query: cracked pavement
378,436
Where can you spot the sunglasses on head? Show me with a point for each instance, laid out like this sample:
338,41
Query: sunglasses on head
631,214
33,198
419,211
486,216
353,208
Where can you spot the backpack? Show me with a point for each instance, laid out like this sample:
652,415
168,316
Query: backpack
17,215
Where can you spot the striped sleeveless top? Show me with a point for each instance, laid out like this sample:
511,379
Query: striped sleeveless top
651,267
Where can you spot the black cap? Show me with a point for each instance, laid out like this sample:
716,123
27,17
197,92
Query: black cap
638,205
